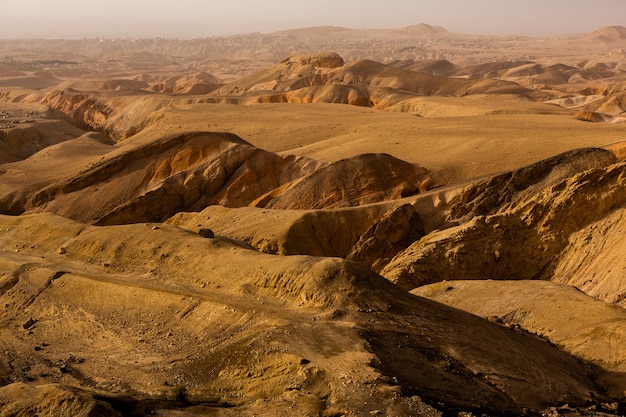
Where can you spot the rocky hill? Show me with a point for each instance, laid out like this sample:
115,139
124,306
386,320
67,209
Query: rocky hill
419,223
224,325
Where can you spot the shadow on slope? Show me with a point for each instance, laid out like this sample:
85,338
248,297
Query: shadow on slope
579,324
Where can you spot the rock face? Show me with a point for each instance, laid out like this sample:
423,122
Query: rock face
507,191
116,117
392,233
593,260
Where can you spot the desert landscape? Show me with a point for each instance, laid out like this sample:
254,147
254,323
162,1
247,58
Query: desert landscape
314,222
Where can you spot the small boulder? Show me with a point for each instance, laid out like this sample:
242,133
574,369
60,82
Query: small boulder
207,233
29,323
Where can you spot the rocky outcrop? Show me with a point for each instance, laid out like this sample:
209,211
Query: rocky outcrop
512,235
321,59
506,191
593,260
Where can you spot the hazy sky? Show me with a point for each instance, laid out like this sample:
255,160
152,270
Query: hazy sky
188,18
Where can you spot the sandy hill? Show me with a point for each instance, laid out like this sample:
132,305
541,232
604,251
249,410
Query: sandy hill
364,179
321,31
188,172
545,206
31,82
426,240
441,67
225,326
181,172
26,129
102,85
291,73
531,73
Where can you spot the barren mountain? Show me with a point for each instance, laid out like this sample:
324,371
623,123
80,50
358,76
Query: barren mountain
152,182
520,230
608,34
417,223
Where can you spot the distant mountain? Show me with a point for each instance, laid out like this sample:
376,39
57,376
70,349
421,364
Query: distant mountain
424,29
609,34
313,31
421,42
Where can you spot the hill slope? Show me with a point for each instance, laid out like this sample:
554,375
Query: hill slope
143,308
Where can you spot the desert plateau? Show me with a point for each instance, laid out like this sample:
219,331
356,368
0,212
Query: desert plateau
314,222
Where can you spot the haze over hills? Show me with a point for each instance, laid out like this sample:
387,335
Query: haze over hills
320,221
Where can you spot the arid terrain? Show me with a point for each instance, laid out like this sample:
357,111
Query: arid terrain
322,222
